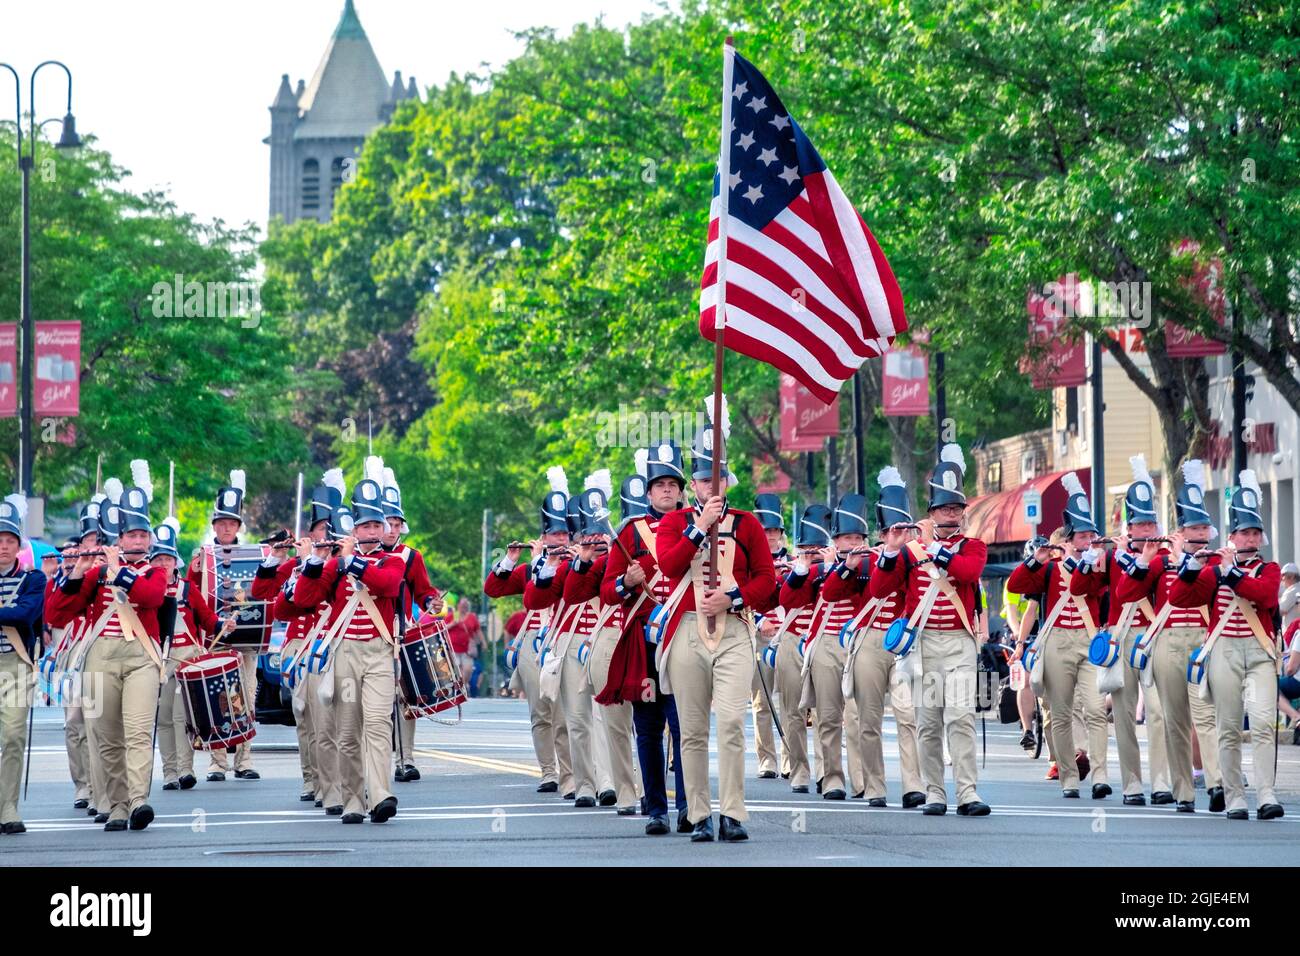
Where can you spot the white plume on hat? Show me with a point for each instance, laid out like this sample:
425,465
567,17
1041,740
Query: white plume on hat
20,505
140,477
374,469
1194,473
601,480
951,452
113,488
333,478
1247,479
390,479
237,480
1070,482
726,415
1139,465
890,476
558,480
642,458
173,522
98,498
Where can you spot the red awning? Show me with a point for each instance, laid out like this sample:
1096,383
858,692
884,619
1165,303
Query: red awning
999,518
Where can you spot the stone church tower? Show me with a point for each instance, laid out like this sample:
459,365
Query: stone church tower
318,126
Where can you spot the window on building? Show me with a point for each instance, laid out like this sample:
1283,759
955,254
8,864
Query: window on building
994,476
310,187
1028,466
1072,410
336,175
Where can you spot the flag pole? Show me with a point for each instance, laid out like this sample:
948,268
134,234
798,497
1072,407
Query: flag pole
171,488
297,512
720,309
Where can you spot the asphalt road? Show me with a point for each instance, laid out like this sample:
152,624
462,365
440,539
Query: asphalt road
476,805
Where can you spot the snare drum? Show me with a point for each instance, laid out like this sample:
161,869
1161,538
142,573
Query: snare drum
217,714
430,680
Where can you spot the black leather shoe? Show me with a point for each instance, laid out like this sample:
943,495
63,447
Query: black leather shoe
607,798
216,776
92,812
935,809
802,788
101,817
549,787
1238,814
353,818
1217,800
112,826
767,775
585,802
334,811
1135,800
626,811
1268,811
1070,793
248,775
171,786
702,832
570,795
658,826
913,799
399,775
384,810
80,804
412,772
835,794
319,802
1101,791
785,776
16,827
1161,798
187,781
731,831
819,784
684,824
976,808
307,797
877,802
1185,806
859,795
141,816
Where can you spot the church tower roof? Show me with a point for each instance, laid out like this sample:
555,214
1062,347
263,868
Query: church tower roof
345,95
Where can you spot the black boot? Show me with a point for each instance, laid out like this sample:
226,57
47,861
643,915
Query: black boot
702,832
731,831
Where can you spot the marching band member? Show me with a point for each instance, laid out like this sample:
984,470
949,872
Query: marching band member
507,577
1243,656
22,593
122,594
419,593
813,536
768,511
361,586
1072,586
630,675
950,563
1135,618
875,670
713,662
1180,631
194,621
227,520
824,656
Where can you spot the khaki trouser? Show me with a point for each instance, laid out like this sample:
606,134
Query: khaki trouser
120,687
325,743
74,736
1243,678
305,728
617,720
405,754
1078,732
853,744
217,762
1184,710
764,676
788,683
550,734
1070,678
363,703
574,702
173,743
1124,708
837,719
875,674
16,682
721,678
945,704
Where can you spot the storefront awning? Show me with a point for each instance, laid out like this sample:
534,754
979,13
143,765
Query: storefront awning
999,518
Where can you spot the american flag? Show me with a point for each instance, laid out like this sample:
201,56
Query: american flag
807,288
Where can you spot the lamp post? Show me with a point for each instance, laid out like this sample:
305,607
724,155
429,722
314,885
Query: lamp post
26,336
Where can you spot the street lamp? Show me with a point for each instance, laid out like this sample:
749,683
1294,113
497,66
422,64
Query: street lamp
26,339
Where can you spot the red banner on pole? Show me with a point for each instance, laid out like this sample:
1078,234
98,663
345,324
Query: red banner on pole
1063,364
805,420
769,478
1205,286
906,382
58,368
8,370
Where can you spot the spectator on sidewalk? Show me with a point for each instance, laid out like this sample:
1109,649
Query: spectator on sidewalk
1288,603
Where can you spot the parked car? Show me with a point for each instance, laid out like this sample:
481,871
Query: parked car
274,702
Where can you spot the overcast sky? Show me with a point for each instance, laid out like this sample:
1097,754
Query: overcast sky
178,90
